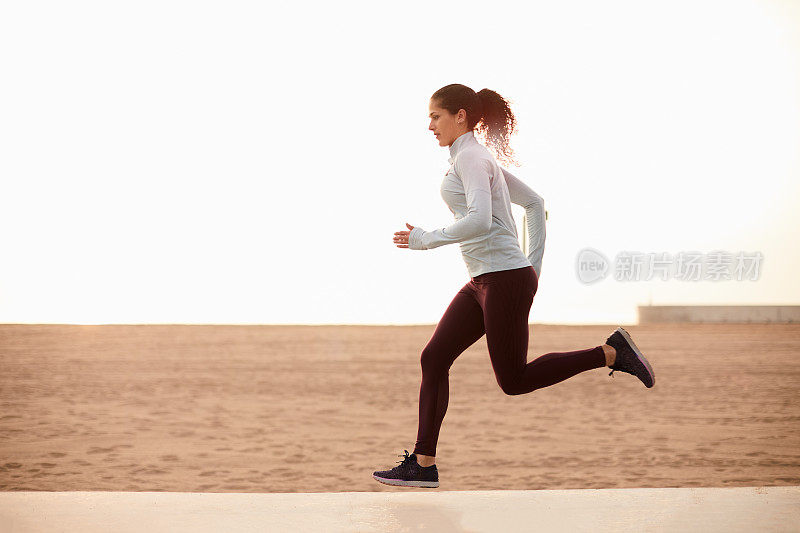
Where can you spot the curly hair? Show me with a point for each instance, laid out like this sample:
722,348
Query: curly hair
487,112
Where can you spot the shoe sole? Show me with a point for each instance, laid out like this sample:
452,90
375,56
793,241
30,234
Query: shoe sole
404,483
639,355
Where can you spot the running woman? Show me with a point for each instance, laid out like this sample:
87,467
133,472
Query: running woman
503,281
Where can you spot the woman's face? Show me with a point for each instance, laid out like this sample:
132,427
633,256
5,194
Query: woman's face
446,126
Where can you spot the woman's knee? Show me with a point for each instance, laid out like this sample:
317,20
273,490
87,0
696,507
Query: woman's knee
509,386
432,361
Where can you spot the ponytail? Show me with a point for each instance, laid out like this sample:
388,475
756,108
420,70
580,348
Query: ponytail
497,123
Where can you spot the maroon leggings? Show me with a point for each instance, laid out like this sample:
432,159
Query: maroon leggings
498,304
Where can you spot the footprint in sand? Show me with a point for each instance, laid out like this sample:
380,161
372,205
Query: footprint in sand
98,449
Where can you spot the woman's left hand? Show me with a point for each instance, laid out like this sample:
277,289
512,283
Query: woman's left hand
401,237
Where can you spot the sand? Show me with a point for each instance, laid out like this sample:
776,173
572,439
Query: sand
319,408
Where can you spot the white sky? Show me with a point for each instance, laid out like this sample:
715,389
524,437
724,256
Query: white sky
248,162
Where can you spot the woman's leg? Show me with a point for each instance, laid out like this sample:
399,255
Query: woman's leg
508,296
459,328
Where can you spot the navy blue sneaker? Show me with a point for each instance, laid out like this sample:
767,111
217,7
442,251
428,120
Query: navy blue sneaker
409,474
629,358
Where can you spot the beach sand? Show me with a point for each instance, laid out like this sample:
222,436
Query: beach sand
319,408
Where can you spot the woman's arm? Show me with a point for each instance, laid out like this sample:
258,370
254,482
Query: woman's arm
474,172
523,195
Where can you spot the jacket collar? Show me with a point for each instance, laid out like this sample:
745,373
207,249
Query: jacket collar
458,144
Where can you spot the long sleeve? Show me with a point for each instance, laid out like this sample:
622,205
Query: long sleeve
474,172
523,195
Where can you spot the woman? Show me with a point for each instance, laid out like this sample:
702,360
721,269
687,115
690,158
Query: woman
497,299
